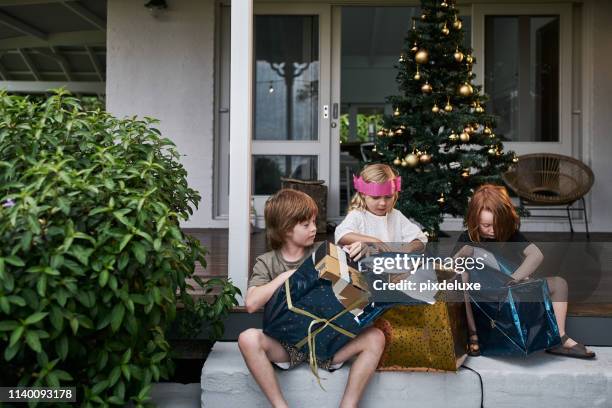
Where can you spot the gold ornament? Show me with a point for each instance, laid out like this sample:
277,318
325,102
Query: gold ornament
417,75
458,55
423,16
404,163
413,24
487,130
415,47
492,136
381,132
435,108
468,129
444,4
421,57
391,133
457,24
374,148
396,112
401,58
469,59
426,88
465,173
441,200
399,132
464,137
412,159
425,158
491,151
498,152
515,159
453,136
397,161
479,109
466,89
448,107
445,30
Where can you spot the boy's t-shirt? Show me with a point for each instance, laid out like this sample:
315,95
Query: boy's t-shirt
271,264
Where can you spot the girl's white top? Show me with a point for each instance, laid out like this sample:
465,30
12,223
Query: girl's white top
393,227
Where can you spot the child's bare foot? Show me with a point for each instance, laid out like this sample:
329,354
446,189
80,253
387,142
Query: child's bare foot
569,342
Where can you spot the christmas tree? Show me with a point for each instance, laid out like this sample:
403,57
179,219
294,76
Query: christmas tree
439,138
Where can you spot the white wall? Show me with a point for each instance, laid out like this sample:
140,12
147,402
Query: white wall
164,68
598,88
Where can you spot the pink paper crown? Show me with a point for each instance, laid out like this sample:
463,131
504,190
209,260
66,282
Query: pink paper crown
389,187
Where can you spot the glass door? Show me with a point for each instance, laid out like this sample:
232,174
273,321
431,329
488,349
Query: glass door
291,97
524,60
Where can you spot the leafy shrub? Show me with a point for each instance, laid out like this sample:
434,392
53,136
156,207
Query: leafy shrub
212,309
92,259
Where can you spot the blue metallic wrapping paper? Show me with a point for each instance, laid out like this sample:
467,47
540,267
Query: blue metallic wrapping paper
512,319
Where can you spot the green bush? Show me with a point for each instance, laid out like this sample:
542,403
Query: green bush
92,259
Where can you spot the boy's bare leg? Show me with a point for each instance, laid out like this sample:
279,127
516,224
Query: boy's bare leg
258,351
368,347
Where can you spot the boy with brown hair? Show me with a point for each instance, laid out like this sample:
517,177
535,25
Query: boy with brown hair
291,228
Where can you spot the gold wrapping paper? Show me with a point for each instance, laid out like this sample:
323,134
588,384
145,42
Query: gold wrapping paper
424,337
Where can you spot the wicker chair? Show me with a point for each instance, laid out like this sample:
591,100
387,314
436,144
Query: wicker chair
546,179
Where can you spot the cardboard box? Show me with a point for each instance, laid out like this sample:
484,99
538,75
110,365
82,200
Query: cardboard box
334,265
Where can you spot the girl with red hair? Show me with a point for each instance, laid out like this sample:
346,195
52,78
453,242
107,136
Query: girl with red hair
491,217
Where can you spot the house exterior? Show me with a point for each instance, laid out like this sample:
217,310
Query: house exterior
213,73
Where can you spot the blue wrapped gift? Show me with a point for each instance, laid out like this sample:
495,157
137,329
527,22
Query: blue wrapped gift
511,318
320,315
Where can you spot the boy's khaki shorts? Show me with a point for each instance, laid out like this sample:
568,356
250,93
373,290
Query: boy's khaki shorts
297,357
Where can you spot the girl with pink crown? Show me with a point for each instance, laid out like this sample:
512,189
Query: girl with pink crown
372,217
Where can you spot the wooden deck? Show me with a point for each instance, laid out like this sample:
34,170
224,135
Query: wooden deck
598,301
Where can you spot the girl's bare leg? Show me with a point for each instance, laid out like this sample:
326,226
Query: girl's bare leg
473,343
558,294
468,306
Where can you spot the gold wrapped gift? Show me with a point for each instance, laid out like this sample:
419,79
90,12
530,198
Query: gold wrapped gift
348,284
424,337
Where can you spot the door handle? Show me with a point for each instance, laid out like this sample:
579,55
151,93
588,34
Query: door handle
335,110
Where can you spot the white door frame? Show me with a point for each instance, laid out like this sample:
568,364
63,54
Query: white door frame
319,147
333,198
564,11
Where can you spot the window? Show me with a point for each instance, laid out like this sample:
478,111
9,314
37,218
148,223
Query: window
524,60
268,170
522,76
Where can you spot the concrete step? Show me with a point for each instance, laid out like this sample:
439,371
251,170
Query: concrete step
539,380
175,395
